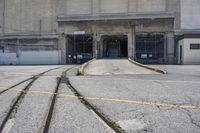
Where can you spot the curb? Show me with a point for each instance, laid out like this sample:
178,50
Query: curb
82,67
148,67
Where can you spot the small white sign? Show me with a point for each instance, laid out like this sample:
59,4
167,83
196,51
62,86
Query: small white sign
144,56
79,56
79,32
150,55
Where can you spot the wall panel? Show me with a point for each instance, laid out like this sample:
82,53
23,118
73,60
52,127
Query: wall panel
133,5
25,15
151,5
79,7
1,16
190,14
114,6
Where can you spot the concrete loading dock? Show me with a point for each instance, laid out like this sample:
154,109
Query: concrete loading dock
118,38
115,67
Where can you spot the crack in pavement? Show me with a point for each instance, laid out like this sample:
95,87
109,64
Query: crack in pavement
192,120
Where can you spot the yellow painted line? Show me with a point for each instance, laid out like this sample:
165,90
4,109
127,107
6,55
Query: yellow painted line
38,92
145,103
137,102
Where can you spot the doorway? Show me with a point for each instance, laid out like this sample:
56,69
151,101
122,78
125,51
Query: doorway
181,53
115,46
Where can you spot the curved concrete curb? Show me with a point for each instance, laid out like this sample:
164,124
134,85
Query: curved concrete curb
82,67
148,67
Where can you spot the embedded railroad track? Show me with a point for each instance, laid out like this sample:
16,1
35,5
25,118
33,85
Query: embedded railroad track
99,114
51,109
113,127
20,97
31,78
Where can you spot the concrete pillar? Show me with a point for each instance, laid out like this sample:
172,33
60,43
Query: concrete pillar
62,48
170,47
131,45
165,61
95,48
101,48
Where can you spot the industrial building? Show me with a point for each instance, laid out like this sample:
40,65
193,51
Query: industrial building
74,31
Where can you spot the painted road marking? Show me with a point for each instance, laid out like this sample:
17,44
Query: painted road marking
145,103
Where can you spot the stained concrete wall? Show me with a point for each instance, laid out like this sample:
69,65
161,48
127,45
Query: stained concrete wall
36,15
117,26
190,14
40,57
30,51
113,6
100,28
151,5
32,42
124,6
175,6
31,57
28,16
1,16
40,15
79,7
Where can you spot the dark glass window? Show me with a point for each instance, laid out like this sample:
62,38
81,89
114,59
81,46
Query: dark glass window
194,46
149,48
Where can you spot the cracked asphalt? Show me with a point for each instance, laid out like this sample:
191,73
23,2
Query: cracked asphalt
179,87
138,100
30,114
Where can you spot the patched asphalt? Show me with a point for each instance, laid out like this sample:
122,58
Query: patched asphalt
130,100
31,112
140,101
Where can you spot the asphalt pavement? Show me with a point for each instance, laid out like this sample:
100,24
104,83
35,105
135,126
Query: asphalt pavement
136,99
31,112
147,102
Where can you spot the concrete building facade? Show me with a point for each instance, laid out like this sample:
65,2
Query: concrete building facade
75,31
188,47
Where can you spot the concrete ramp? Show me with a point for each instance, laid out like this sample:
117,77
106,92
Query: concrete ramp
115,67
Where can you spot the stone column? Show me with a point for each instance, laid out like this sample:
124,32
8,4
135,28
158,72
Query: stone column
62,48
165,49
95,48
170,47
101,47
131,44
